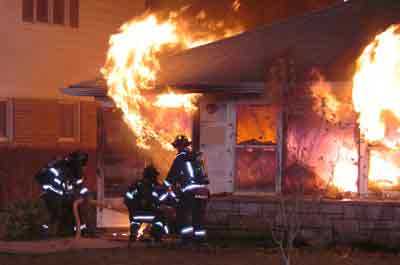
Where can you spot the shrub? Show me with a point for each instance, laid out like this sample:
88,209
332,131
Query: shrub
23,220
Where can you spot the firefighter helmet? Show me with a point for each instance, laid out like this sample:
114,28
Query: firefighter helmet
79,157
181,141
150,172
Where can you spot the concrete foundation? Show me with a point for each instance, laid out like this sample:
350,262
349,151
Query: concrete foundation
322,221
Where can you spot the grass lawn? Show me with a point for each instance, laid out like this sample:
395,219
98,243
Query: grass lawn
213,255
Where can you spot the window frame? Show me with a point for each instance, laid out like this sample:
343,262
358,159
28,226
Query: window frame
277,148
77,121
9,121
66,23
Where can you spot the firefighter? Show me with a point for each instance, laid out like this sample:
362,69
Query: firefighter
62,183
143,203
188,178
77,162
51,179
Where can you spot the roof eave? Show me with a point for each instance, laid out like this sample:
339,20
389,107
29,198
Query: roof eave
203,88
211,88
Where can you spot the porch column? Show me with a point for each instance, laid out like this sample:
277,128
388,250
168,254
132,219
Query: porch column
363,164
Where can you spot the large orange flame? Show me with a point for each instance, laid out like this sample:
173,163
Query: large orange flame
376,97
325,102
132,66
336,113
345,173
382,170
376,87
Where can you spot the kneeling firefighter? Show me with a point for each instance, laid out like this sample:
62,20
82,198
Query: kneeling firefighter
62,183
188,178
143,202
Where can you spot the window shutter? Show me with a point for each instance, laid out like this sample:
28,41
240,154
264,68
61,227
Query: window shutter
3,119
74,13
23,116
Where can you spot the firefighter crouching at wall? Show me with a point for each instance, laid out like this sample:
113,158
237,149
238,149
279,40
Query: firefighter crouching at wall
188,179
143,202
62,183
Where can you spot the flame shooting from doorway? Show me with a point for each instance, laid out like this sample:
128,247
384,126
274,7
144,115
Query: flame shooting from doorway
131,72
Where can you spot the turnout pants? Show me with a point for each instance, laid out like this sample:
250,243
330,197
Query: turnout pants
191,215
61,217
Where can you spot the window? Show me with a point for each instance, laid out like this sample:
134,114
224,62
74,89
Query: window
255,169
5,120
42,10
27,10
58,12
69,122
256,125
256,149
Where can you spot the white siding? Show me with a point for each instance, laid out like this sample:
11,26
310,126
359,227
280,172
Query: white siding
217,136
38,58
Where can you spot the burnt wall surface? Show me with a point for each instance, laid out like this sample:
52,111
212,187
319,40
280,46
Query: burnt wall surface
322,222
320,141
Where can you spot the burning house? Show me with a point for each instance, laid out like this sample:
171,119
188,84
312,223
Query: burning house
308,103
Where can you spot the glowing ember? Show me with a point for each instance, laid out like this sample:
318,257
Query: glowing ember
236,5
132,66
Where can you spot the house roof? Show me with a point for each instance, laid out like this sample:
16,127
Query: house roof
330,39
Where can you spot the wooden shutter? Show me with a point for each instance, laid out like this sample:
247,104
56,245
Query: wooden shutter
35,122
23,121
74,13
